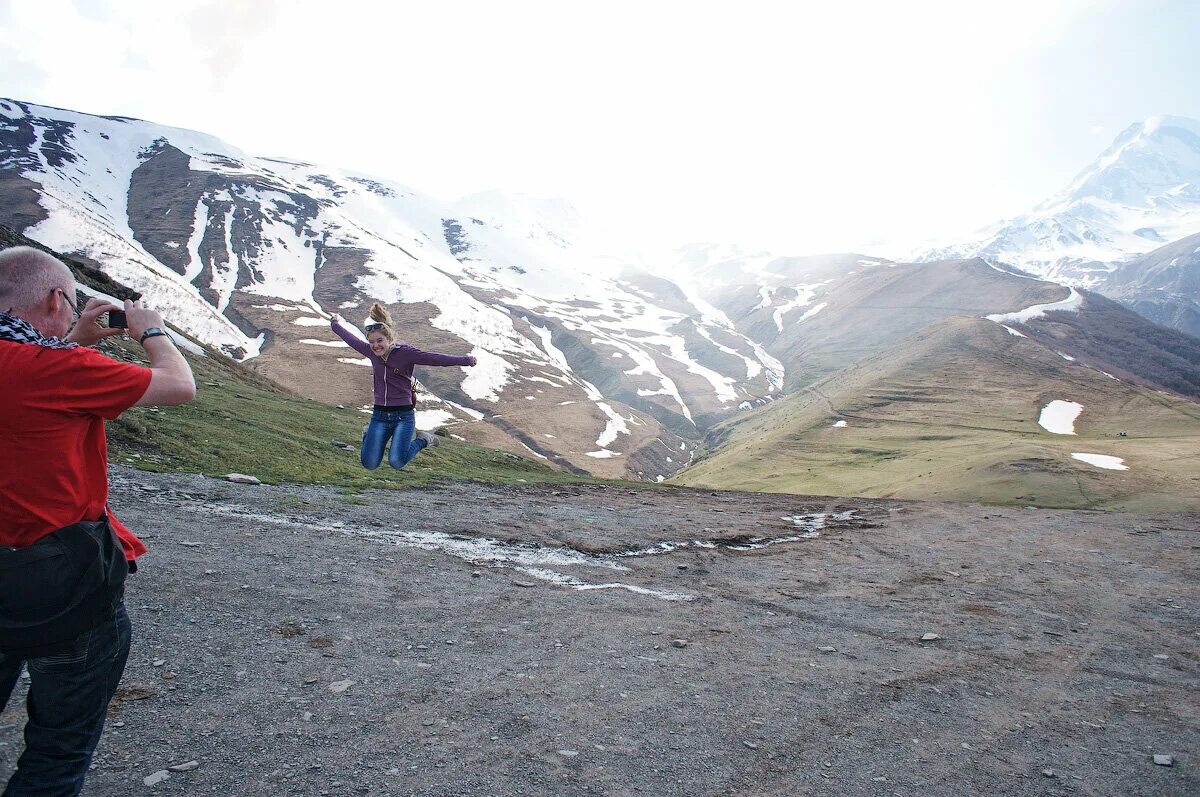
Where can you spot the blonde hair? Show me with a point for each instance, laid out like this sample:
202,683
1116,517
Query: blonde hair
381,321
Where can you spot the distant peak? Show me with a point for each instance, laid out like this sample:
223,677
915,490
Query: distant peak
1155,124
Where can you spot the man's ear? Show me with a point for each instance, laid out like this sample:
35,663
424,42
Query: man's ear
51,304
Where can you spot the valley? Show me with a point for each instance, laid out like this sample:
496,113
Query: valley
725,367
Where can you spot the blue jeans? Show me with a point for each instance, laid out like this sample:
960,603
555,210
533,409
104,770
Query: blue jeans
68,698
399,426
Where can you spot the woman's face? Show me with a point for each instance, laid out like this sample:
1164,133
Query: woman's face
379,342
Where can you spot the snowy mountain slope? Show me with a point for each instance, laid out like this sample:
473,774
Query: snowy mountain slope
580,361
1141,192
1163,285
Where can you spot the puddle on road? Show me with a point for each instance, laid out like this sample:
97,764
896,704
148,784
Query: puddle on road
538,561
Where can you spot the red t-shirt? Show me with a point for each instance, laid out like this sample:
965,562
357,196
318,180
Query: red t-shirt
53,455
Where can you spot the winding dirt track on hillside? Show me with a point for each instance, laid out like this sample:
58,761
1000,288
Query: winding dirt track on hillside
542,660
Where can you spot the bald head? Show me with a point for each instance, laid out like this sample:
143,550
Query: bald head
29,283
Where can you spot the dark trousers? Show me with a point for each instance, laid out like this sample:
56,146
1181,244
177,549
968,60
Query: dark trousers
68,699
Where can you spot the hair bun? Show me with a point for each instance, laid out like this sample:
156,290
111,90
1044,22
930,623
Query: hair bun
379,314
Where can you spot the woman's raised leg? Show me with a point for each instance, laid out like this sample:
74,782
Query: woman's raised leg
404,446
375,440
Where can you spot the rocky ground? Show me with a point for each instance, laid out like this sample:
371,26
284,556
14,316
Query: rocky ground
302,641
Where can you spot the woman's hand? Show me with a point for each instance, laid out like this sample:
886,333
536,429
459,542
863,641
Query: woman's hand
473,360
88,331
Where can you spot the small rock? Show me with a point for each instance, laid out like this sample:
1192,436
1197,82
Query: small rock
190,544
240,478
568,753
1161,656
523,584
307,716
930,637
157,777
1049,773
186,766
751,745
679,643
159,662
337,687
1164,760
476,574
681,567
827,649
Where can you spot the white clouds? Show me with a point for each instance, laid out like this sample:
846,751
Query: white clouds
810,126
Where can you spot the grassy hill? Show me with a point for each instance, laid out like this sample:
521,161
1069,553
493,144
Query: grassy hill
951,413
241,421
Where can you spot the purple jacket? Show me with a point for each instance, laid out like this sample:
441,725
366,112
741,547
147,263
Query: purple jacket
393,374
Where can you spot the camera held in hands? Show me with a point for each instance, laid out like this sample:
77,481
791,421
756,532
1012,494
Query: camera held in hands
116,319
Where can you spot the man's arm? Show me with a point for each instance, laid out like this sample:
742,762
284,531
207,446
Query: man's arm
171,381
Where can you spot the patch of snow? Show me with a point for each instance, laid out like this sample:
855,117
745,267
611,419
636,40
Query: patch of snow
1102,461
840,425
333,344
1070,304
427,420
1066,357
183,343
1012,331
603,453
1058,417
355,361
309,321
531,451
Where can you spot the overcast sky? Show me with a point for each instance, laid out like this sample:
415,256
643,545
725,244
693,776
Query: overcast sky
801,127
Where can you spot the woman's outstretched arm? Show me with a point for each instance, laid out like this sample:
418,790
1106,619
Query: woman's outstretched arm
418,357
355,342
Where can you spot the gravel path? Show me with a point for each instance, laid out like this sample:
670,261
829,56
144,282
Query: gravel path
299,641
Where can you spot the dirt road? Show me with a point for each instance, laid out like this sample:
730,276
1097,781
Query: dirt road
603,641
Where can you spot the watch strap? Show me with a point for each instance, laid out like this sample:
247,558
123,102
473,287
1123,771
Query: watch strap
152,332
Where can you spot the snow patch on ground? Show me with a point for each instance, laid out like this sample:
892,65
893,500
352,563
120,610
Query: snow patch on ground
1059,416
1102,461
333,344
1072,304
429,420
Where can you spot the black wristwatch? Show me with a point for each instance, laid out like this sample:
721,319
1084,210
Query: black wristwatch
152,332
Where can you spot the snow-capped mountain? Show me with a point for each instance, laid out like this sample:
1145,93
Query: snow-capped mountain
582,360
1141,192
1163,285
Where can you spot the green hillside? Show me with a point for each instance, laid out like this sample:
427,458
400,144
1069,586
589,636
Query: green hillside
951,413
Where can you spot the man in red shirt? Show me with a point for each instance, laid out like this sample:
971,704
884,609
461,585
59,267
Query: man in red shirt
55,394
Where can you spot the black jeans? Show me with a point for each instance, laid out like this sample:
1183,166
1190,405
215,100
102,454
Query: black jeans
68,699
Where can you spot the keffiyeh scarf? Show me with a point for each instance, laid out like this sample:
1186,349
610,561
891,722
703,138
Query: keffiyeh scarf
20,331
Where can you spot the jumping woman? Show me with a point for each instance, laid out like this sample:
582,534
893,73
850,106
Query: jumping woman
393,417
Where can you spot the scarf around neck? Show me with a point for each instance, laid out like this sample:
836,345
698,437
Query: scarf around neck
19,330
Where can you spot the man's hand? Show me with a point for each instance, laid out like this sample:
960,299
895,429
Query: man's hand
140,318
87,331
473,360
